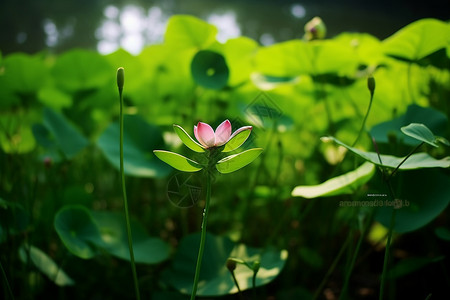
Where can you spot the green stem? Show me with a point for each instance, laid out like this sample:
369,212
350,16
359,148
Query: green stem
237,285
203,236
8,287
386,254
254,283
124,192
409,84
352,263
410,153
363,125
332,268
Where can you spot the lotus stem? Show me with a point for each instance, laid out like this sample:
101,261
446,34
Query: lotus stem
203,236
120,83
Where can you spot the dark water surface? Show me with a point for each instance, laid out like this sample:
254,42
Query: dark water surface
35,25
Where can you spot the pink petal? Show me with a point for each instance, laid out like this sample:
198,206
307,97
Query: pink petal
223,133
205,134
240,130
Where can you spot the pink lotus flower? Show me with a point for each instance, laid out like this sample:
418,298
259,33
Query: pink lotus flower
209,138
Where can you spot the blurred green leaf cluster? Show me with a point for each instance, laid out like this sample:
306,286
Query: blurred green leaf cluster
59,161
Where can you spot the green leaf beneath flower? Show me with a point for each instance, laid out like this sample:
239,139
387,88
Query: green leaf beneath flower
343,184
420,132
235,162
236,141
187,140
178,161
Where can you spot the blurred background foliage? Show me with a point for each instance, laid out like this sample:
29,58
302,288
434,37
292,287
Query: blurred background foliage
59,178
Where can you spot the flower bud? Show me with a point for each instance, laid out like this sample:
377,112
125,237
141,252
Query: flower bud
231,264
120,78
315,29
48,162
371,84
256,266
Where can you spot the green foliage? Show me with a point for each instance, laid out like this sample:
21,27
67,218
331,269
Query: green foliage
422,133
58,135
415,161
416,41
24,74
344,184
77,230
215,280
140,139
235,162
147,250
85,233
189,32
59,139
80,70
210,70
387,131
178,161
45,265
421,195
187,139
410,265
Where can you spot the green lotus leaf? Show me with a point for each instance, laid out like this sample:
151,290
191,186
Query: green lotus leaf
187,139
343,184
46,265
237,141
237,161
178,161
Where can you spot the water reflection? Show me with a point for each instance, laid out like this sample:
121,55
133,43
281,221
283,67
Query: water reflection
227,25
298,10
130,28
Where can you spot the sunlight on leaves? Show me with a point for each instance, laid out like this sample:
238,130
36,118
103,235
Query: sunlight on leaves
215,279
415,161
235,162
45,264
343,184
418,39
187,139
178,161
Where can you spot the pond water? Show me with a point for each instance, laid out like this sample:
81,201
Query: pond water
32,26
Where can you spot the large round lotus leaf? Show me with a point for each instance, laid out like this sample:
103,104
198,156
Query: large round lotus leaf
82,70
421,196
210,70
77,231
296,57
139,141
24,73
435,120
239,53
418,39
215,279
185,31
147,250
57,134
16,135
